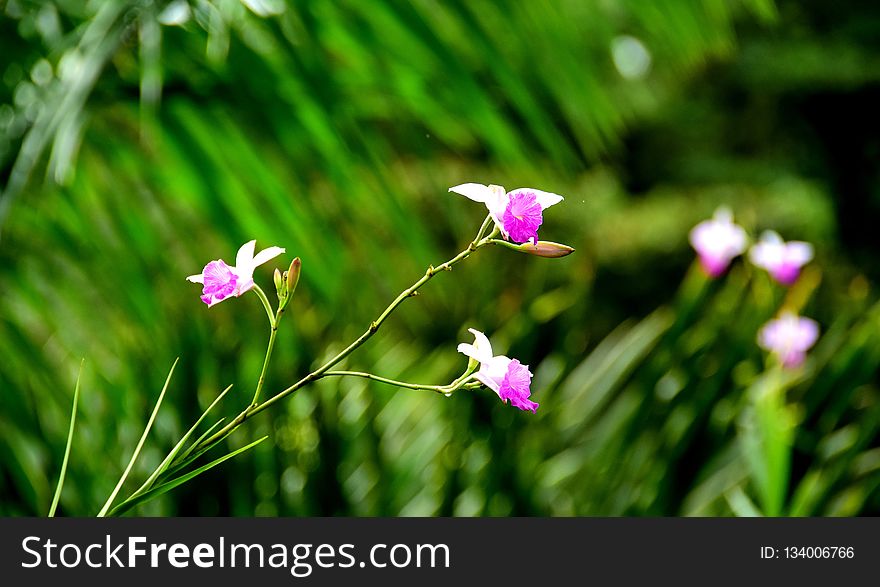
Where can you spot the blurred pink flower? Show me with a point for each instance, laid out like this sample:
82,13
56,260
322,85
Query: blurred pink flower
221,281
789,337
783,260
509,378
517,214
718,241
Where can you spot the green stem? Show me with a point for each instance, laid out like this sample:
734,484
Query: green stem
462,382
503,243
373,328
262,295
269,348
321,371
483,227
436,388
273,324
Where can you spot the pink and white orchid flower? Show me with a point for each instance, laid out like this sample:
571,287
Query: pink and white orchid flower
517,214
222,281
718,241
783,260
789,337
507,377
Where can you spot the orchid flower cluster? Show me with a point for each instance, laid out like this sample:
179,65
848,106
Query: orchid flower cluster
513,216
719,241
516,216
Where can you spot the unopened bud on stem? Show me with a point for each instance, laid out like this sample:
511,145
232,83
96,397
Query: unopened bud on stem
292,277
278,284
546,249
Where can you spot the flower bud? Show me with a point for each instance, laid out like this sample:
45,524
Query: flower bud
545,249
278,283
293,275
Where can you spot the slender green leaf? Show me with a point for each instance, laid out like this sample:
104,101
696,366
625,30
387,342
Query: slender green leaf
140,444
165,487
189,456
69,443
740,503
766,434
173,453
199,440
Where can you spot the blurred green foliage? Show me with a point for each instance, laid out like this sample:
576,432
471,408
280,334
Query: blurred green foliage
171,132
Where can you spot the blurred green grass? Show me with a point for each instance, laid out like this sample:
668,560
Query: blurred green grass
334,130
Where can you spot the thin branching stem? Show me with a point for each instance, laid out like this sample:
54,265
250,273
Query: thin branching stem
255,408
266,305
273,331
435,388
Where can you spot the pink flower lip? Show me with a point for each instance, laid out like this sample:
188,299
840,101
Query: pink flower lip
713,266
787,273
515,386
792,359
522,217
219,282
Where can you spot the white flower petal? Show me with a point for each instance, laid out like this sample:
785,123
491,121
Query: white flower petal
245,256
766,255
196,278
482,346
267,255
719,237
769,336
738,240
545,199
492,373
496,367
469,350
771,236
475,191
809,334
768,252
497,202
798,252
488,381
